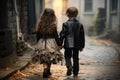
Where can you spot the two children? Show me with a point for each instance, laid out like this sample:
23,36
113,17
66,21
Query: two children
72,34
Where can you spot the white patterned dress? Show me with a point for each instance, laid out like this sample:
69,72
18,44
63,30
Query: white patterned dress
47,51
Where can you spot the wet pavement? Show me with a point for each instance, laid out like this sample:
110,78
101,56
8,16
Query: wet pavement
98,61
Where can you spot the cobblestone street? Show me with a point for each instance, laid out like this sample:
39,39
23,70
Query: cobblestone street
98,61
24,23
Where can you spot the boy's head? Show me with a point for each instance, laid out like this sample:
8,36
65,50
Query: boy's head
72,12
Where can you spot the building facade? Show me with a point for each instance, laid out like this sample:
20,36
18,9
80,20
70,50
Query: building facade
113,19
87,10
113,15
7,33
17,17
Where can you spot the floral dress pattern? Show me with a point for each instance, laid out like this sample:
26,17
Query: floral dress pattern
47,51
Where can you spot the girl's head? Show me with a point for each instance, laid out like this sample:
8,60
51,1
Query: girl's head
49,12
72,12
47,21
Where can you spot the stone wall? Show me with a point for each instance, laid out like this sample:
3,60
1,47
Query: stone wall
23,14
8,35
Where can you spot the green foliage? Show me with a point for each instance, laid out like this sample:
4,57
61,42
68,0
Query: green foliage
99,23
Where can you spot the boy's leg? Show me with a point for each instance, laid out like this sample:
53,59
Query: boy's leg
68,55
75,61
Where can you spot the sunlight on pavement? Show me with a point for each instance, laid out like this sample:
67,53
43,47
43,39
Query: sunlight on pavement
98,61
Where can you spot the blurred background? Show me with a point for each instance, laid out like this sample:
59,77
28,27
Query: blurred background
101,18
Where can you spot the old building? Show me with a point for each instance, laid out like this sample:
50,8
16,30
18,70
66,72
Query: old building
17,17
7,33
88,10
113,19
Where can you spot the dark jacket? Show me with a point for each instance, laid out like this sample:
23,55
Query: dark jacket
53,34
73,34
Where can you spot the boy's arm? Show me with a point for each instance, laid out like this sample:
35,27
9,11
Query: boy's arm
62,34
82,38
56,36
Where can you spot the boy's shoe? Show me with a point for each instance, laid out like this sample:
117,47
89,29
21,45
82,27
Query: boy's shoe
69,71
75,75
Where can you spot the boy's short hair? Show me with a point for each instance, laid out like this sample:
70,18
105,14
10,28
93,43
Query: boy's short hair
72,12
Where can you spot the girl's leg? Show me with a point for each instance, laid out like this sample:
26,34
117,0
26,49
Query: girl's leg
49,67
45,65
45,72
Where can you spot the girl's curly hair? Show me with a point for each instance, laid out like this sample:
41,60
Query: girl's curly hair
47,21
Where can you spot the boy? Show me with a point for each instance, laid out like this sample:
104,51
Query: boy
73,35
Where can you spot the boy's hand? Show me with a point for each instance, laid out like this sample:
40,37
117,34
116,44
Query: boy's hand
61,47
81,49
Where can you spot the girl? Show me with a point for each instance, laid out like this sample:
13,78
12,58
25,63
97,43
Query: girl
47,40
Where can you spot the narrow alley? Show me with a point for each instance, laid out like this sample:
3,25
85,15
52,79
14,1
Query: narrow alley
98,61
19,25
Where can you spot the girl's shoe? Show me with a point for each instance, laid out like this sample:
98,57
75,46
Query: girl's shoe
49,73
45,73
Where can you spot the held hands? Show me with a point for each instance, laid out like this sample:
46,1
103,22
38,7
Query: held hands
60,47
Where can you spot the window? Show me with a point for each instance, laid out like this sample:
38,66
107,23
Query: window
114,5
88,5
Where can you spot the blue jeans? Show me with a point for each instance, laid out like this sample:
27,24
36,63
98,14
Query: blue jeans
72,53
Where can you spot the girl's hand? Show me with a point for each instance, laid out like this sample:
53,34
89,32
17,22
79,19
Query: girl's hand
61,47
